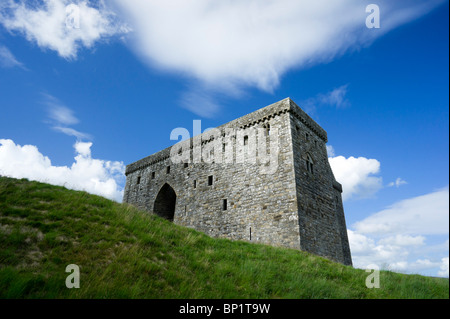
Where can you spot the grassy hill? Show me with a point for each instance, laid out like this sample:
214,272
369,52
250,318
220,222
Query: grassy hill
123,252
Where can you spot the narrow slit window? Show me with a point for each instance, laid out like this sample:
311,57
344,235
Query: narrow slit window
224,204
153,175
309,164
250,233
246,140
195,183
210,180
138,180
168,170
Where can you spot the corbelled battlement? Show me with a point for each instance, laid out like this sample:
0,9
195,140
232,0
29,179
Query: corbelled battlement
262,115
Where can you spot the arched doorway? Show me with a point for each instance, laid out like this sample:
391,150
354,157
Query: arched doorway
165,202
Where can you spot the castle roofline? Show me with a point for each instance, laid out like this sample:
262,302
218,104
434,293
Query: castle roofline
251,119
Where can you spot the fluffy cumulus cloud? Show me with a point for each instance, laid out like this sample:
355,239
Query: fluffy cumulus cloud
404,254
357,175
60,25
409,236
396,237
95,176
426,214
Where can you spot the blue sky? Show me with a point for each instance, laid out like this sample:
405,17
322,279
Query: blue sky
82,97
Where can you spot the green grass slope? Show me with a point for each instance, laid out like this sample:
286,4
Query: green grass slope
123,252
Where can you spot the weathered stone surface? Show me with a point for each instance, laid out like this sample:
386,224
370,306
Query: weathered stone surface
293,200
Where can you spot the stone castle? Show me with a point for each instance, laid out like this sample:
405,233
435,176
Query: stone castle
264,178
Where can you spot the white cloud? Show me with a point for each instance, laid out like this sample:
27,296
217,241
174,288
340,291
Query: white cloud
396,237
84,149
252,42
72,132
366,251
335,98
444,268
426,214
397,253
95,176
235,44
61,116
58,112
200,102
330,151
221,45
8,60
403,240
60,25
356,176
398,182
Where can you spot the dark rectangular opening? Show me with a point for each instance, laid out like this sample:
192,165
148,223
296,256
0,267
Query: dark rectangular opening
138,180
246,140
168,170
195,183
153,175
186,165
224,204
210,180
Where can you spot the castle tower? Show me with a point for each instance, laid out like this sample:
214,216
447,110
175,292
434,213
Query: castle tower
264,177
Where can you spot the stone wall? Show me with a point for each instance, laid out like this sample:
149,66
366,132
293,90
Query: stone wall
253,183
321,216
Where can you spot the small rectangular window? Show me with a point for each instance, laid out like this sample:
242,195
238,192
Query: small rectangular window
153,175
210,180
168,170
224,204
186,165
246,140
138,180
195,183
